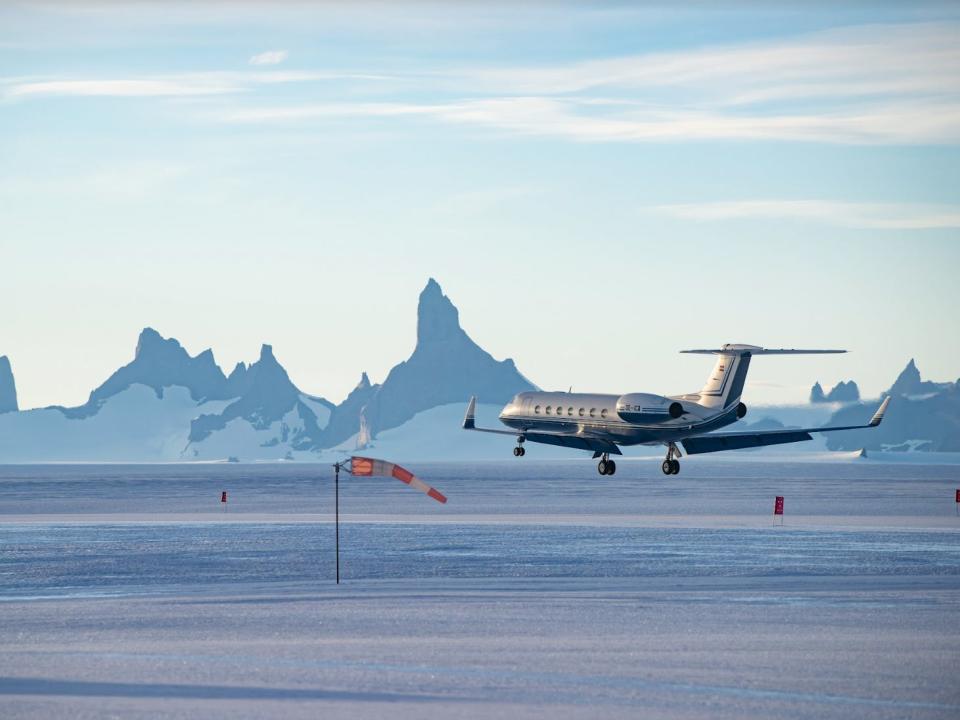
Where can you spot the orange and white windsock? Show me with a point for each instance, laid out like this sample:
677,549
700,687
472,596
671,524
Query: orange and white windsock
369,467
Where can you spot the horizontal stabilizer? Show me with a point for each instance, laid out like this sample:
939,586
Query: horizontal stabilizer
736,349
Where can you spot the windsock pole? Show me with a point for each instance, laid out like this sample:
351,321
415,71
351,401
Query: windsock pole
336,505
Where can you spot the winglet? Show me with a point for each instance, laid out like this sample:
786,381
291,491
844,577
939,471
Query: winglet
469,420
878,415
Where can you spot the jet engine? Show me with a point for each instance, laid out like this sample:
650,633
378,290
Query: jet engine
646,408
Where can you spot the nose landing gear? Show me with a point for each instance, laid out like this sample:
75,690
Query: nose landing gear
606,466
671,466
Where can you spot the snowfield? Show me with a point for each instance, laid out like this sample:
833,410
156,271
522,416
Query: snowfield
540,590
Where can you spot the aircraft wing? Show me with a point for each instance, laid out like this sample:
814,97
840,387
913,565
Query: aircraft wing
736,441
580,441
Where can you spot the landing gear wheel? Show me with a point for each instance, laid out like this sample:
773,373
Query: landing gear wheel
671,466
611,467
523,451
602,467
517,451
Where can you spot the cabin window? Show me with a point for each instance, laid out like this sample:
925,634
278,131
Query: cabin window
570,411
548,409
581,412
603,413
593,412
536,410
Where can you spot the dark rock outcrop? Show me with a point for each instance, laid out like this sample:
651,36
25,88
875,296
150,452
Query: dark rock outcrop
844,392
266,395
909,382
8,388
345,419
816,393
841,392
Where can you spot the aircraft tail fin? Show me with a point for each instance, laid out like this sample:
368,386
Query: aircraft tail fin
725,384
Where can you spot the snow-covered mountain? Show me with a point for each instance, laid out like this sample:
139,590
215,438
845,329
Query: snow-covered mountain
923,416
166,406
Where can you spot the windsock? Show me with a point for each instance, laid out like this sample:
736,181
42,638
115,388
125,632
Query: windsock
369,467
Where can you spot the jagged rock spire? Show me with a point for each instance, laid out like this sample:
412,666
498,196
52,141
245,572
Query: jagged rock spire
8,388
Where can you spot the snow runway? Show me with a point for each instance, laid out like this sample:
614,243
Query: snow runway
491,610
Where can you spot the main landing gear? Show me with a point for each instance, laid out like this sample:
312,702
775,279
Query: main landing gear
519,450
606,466
671,466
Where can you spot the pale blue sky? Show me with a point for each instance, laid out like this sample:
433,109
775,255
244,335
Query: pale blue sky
596,186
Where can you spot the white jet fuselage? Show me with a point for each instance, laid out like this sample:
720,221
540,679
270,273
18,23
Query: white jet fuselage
633,419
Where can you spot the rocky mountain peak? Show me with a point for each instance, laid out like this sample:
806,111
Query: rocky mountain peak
816,393
160,362
908,382
843,391
446,367
8,388
437,318
151,343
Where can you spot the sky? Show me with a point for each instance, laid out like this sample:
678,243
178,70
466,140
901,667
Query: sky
594,185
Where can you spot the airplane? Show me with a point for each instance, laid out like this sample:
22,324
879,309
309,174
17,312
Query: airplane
602,423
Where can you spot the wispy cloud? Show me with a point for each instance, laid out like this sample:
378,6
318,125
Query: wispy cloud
271,57
615,121
120,88
876,84
915,58
179,85
867,216
882,84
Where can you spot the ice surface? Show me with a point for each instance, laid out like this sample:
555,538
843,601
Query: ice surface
540,590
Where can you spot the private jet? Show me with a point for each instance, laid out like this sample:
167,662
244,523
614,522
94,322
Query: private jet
602,423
